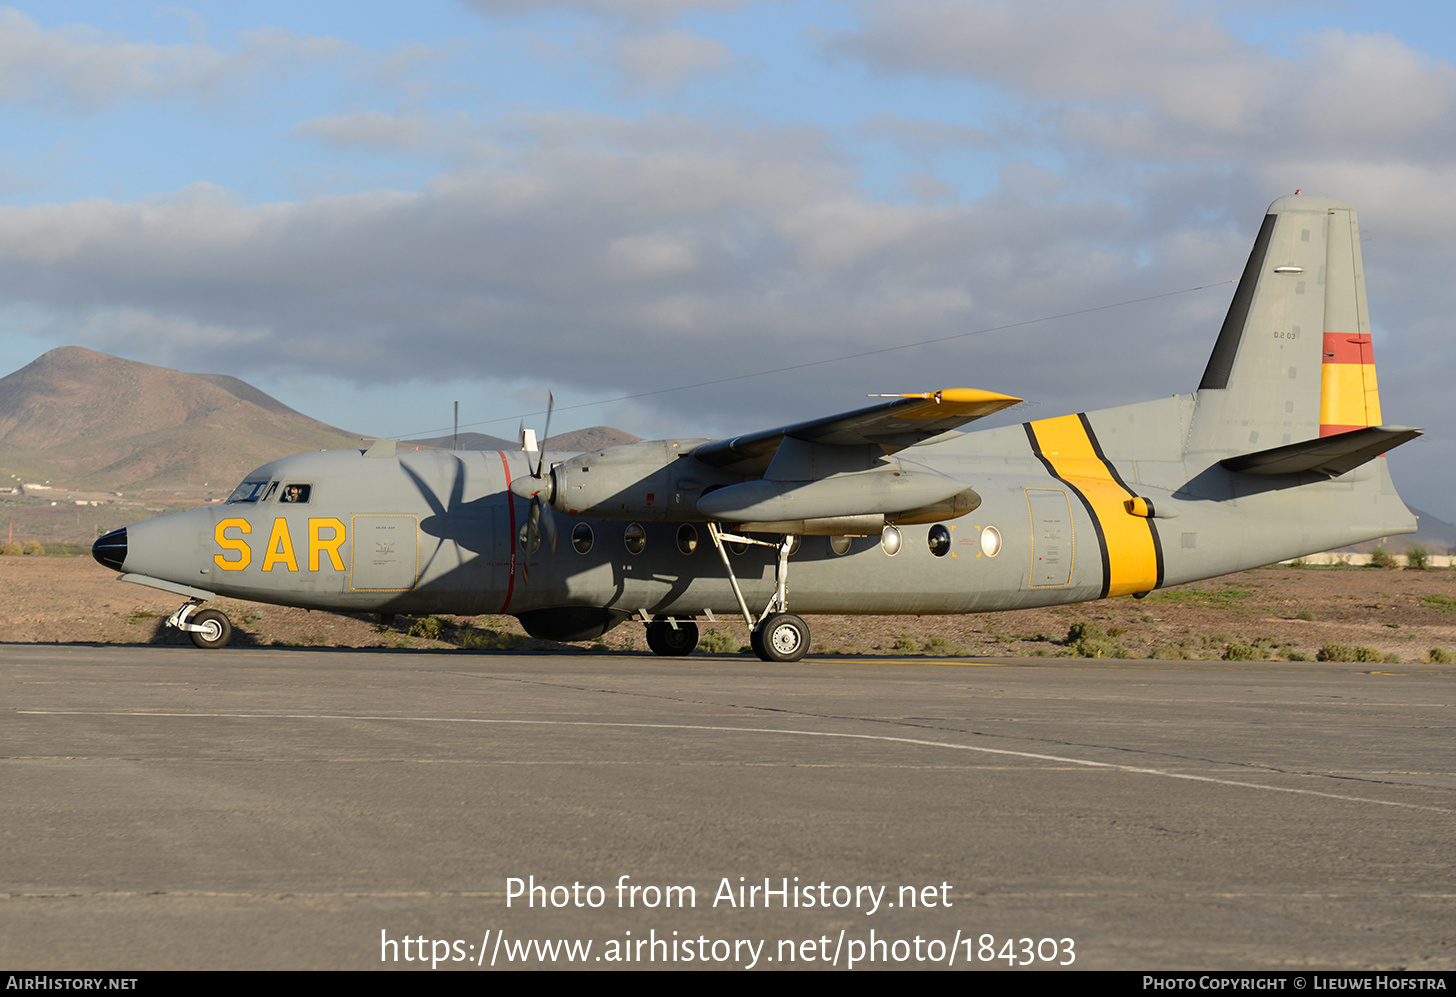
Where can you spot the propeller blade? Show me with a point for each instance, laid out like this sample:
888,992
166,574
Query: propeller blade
536,528
533,538
549,533
546,435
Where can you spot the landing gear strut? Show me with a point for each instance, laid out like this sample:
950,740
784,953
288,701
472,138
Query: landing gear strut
207,627
777,634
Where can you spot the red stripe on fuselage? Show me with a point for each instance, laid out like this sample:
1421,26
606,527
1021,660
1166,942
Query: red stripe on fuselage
511,539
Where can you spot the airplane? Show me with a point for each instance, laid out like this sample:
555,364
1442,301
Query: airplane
888,509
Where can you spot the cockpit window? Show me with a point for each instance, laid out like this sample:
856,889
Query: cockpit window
248,491
295,493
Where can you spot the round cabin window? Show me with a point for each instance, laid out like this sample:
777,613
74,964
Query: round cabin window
939,540
635,538
582,538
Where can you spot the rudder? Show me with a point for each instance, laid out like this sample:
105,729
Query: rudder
1293,359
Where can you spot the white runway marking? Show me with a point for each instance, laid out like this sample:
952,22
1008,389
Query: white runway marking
1008,752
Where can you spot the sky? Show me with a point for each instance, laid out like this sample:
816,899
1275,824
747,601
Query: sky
710,217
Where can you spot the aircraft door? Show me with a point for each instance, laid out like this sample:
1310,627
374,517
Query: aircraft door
386,554
1051,537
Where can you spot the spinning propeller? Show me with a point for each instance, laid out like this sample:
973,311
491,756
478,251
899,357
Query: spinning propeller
539,487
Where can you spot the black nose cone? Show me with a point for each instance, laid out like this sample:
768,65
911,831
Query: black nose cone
110,550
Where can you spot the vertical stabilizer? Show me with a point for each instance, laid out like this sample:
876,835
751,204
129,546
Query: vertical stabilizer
1293,360
1349,397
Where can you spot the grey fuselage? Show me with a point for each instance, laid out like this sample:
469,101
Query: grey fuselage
1275,455
441,532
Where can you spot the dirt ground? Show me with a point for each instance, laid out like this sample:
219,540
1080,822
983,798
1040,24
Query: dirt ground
1264,614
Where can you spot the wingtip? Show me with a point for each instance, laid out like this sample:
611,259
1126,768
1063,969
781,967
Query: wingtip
973,396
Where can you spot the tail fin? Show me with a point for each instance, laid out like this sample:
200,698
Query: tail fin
1293,360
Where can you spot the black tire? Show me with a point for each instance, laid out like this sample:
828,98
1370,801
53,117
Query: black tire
218,630
782,637
670,642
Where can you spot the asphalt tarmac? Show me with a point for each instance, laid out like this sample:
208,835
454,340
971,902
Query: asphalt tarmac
168,808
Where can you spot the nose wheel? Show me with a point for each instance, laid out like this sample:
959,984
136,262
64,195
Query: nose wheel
207,628
213,629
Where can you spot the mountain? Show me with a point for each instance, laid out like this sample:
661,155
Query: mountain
86,420
467,441
82,419
591,438
1432,533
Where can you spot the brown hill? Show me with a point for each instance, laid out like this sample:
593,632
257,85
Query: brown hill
591,438
1433,533
466,441
83,419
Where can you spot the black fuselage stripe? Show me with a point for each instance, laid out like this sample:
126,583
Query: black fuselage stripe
1152,526
1086,504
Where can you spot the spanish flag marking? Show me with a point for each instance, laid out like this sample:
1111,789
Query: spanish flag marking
1349,395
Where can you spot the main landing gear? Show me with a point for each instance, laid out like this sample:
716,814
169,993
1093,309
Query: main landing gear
777,634
780,637
207,627
672,638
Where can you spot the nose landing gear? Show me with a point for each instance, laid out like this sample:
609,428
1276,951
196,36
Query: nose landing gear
208,628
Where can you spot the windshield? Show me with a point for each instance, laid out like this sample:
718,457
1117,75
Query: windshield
248,491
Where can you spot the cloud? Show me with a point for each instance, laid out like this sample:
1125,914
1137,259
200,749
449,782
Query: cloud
636,10
1010,162
78,67
666,61
367,130
922,137
1150,78
609,257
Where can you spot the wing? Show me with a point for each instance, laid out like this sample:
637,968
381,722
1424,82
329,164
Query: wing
840,467
891,426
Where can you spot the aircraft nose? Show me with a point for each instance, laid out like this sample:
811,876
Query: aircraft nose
110,550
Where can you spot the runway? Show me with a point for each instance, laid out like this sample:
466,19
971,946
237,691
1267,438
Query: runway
167,808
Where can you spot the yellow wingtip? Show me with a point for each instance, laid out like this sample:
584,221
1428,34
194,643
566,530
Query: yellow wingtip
971,396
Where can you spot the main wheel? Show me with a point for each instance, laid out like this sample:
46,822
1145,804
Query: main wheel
670,641
216,630
755,641
782,637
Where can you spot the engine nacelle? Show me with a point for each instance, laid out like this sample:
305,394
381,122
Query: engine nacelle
651,480
893,490
658,480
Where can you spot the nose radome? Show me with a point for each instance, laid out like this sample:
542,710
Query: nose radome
110,550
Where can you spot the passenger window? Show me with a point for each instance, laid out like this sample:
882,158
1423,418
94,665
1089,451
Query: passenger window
635,538
581,538
939,540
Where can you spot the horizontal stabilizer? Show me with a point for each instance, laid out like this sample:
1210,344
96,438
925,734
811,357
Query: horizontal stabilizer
1332,455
